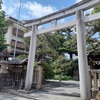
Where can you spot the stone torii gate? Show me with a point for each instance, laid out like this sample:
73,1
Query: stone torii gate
78,10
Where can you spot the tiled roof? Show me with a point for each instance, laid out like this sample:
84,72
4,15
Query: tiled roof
18,61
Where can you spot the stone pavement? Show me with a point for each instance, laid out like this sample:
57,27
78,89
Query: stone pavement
7,96
68,90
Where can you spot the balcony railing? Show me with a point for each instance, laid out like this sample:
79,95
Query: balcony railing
20,33
19,45
18,51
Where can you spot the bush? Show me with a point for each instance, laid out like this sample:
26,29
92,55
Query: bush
64,77
71,67
56,77
48,71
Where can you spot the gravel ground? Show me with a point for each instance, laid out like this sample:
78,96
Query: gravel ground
7,96
67,90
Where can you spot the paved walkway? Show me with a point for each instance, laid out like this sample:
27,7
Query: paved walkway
7,96
68,90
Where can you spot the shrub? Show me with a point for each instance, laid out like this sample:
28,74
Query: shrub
48,71
64,77
56,77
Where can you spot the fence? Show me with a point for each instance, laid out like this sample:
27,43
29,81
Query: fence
95,81
19,77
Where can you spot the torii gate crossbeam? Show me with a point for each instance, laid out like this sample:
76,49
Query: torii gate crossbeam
81,39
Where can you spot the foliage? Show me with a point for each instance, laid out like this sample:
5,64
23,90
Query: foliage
59,64
51,49
96,9
53,46
44,49
72,65
3,24
27,40
65,66
22,56
93,36
48,71
64,77
70,43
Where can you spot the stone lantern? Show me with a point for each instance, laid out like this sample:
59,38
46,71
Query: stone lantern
3,65
5,77
4,61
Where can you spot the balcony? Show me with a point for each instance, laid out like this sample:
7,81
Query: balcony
20,33
19,45
18,51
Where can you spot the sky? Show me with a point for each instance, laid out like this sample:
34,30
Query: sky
32,9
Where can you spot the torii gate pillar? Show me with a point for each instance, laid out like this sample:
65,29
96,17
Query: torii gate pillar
31,59
82,56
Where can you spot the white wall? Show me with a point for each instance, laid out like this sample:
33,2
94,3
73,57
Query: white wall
8,35
20,39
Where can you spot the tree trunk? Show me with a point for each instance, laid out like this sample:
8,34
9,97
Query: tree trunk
60,75
71,56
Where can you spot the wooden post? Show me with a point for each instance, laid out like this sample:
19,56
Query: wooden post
90,73
95,81
99,78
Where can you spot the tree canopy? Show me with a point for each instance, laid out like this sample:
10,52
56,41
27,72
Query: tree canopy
93,36
3,23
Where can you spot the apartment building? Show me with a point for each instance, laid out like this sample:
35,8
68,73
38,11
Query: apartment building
10,37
